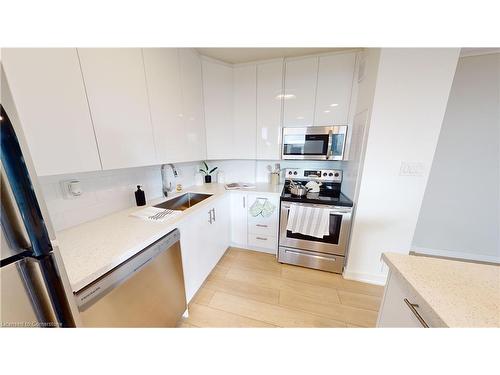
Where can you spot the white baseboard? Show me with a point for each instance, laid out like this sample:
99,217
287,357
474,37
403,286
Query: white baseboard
365,277
248,247
456,254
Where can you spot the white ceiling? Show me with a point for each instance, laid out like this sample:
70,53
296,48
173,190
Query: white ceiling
242,55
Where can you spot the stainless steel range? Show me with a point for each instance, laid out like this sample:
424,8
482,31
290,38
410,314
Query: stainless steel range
326,253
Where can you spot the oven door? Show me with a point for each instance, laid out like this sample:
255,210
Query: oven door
306,143
334,243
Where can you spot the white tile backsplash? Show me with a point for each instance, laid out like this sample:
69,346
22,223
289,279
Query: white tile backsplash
105,192
262,172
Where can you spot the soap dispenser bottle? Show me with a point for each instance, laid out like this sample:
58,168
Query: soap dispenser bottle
140,198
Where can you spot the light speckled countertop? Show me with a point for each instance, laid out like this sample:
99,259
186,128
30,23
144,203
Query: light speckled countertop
462,294
91,249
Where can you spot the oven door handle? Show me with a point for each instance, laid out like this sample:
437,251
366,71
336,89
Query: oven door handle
311,255
334,210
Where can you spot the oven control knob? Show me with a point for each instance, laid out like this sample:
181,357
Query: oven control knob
295,173
324,174
336,174
290,172
330,174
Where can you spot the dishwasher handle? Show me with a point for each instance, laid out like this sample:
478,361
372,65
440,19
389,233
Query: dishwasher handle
90,294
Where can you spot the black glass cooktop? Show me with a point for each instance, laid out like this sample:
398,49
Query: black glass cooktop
329,195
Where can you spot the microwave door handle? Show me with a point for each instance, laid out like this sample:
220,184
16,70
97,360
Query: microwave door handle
330,143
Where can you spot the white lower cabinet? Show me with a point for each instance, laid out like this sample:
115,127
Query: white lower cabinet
239,219
204,239
262,225
251,229
402,308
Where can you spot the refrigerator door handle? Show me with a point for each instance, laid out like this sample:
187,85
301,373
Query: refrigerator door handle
18,177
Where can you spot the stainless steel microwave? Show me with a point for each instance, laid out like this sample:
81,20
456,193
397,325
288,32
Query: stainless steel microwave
314,143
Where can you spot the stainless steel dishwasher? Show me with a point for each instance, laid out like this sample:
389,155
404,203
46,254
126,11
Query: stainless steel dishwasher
144,291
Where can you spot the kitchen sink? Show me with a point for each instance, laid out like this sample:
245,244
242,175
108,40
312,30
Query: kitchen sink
184,201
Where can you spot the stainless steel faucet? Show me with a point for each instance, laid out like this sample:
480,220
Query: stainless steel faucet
167,185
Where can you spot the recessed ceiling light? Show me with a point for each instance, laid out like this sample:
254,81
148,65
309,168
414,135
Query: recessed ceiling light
334,105
327,111
300,118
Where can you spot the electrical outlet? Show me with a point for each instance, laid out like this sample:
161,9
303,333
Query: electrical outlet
411,169
71,189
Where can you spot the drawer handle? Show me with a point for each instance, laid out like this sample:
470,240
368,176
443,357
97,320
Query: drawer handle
261,238
412,307
311,255
261,225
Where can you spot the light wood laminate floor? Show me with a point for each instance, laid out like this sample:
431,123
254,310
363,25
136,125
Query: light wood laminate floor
251,289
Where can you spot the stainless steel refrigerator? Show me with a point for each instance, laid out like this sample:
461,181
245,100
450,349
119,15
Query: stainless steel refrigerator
34,287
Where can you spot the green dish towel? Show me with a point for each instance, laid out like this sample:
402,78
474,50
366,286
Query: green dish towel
262,207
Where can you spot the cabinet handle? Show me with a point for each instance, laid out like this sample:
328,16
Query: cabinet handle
244,203
213,210
261,225
412,307
210,216
261,238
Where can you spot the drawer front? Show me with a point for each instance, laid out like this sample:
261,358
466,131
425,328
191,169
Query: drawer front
324,262
267,229
260,240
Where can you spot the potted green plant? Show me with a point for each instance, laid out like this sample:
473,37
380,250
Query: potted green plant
207,172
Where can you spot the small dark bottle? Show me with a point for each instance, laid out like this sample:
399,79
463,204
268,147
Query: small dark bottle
140,198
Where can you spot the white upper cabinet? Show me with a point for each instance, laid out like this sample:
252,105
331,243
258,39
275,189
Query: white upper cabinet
300,91
192,95
116,89
50,97
269,94
244,111
218,100
165,98
335,81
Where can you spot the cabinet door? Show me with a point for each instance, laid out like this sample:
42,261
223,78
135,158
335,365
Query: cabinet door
221,229
300,91
48,90
394,312
244,111
116,89
165,98
203,242
192,97
269,95
194,233
218,100
335,80
239,218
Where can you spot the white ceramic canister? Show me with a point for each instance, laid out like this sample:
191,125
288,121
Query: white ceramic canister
221,177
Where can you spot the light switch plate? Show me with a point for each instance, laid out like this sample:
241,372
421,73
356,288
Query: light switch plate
412,169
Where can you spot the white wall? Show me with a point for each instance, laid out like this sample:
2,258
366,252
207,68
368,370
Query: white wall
410,99
461,206
366,75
